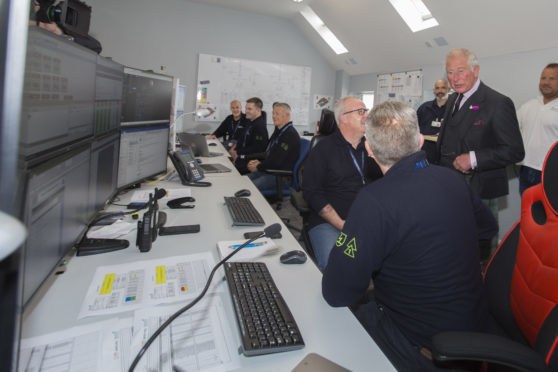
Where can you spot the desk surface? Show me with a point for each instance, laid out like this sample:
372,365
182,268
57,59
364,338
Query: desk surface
331,332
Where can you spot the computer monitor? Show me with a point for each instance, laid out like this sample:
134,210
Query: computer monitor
146,98
58,93
56,213
104,171
143,153
109,82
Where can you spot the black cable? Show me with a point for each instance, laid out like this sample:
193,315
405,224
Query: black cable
188,306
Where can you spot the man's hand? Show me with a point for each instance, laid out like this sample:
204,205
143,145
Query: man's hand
233,153
52,27
463,163
253,165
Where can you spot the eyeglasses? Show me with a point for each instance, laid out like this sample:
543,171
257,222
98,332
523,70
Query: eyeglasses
361,111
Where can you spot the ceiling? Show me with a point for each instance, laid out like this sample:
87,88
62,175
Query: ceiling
379,41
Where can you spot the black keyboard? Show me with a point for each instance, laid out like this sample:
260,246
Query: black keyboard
266,323
243,212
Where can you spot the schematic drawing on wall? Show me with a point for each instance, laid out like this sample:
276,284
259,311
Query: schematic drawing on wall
223,79
400,86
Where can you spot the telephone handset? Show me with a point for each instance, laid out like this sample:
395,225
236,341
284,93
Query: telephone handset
187,167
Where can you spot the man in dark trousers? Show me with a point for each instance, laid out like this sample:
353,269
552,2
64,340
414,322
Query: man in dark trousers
480,134
414,232
430,116
281,153
254,137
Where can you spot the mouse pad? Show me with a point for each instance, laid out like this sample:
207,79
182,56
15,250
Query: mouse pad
317,363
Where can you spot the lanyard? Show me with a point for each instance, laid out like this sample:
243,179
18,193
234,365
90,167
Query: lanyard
279,135
359,168
235,127
246,135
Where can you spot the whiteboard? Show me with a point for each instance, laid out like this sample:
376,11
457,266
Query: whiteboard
223,79
400,86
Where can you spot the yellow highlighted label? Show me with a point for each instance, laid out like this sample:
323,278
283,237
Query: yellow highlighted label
108,282
160,275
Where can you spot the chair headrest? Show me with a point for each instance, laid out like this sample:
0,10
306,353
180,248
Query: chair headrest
328,124
550,178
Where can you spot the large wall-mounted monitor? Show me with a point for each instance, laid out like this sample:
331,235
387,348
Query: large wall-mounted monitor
58,94
104,171
56,213
143,153
146,99
109,82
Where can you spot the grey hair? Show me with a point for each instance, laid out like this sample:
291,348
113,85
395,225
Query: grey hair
284,106
392,131
340,107
472,60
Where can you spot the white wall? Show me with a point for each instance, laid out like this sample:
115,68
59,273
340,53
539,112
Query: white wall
515,75
149,34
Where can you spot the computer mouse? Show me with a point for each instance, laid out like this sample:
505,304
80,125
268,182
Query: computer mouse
243,192
212,144
293,257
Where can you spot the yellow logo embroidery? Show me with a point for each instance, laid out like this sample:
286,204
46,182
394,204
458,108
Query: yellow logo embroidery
351,248
284,146
341,240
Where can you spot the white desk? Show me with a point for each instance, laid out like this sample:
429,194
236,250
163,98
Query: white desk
331,332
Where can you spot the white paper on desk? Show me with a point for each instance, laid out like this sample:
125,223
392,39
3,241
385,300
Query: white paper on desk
87,348
262,247
141,196
200,339
133,285
112,231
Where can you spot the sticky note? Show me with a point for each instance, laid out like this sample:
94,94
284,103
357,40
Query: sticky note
108,282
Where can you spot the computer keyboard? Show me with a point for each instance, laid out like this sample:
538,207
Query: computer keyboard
243,212
266,323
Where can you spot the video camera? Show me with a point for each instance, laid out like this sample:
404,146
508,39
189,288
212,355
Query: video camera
73,15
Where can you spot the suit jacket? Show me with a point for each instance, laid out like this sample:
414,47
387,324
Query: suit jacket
487,124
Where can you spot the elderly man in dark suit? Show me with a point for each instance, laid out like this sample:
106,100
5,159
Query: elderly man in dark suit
480,133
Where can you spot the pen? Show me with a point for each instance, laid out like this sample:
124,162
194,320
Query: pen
247,246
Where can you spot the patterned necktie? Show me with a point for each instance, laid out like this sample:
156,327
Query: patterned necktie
457,103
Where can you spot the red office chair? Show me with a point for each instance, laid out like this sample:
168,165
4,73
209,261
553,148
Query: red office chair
521,281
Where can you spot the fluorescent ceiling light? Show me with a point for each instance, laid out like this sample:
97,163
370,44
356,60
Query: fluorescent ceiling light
323,30
415,14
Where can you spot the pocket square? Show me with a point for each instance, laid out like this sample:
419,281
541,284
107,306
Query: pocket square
480,122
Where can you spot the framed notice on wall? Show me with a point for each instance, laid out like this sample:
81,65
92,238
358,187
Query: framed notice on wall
223,79
400,86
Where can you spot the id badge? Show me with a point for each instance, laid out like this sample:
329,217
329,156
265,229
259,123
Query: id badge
436,124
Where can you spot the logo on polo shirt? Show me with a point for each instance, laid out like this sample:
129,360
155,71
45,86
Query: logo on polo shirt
351,245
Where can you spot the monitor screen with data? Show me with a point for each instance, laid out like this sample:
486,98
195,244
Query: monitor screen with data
143,153
146,98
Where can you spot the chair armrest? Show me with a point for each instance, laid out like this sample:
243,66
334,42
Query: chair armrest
256,155
486,347
279,172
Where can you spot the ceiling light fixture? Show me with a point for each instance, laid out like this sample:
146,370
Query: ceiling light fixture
323,30
415,14
297,1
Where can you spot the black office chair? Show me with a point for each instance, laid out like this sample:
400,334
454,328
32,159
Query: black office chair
327,126
521,282
279,191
